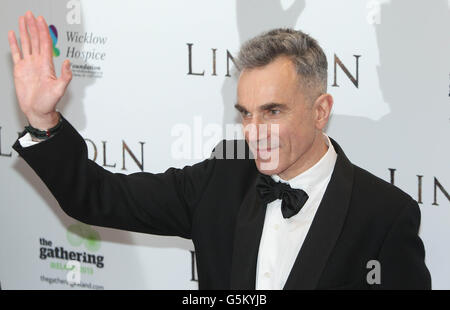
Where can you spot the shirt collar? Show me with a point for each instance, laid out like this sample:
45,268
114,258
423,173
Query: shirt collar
310,178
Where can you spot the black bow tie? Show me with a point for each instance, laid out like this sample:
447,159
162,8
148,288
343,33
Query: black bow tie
292,199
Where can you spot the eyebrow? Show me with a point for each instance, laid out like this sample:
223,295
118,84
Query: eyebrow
264,107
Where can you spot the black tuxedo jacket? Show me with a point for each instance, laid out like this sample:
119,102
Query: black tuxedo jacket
214,203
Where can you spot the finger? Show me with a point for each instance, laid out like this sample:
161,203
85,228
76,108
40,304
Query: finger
15,52
44,38
32,29
24,39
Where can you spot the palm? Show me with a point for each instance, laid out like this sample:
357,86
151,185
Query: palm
35,83
37,87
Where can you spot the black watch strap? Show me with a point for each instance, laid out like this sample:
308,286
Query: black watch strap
44,134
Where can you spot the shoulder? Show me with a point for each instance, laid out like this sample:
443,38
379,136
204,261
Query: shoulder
233,153
378,197
376,186
371,195
231,150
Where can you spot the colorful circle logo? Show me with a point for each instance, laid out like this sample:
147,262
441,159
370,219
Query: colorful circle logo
54,36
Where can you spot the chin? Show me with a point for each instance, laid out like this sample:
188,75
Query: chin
267,167
271,165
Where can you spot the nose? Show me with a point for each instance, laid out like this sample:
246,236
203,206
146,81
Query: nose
257,132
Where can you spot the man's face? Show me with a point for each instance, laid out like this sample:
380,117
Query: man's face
271,95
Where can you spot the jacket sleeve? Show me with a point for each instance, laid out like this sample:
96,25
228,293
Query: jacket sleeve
161,203
402,256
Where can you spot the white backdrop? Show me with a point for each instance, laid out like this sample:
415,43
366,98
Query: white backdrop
140,93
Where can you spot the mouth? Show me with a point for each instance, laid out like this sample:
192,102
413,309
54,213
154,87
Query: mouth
269,149
264,150
265,153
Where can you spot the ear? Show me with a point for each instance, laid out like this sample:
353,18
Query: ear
322,110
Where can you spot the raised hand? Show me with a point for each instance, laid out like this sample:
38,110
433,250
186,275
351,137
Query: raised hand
38,89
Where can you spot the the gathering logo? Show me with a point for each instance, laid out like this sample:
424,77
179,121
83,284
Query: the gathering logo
82,234
77,235
54,36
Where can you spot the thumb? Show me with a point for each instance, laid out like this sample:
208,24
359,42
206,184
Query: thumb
66,72
66,76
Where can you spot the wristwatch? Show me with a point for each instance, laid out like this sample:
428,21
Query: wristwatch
40,135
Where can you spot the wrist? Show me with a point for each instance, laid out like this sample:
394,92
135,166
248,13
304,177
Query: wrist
44,122
34,139
40,135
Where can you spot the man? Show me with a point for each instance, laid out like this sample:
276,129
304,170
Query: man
299,215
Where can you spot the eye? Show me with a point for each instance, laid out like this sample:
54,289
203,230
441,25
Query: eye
274,112
245,114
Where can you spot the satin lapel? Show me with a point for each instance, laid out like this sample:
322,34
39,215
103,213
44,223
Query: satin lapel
325,228
249,225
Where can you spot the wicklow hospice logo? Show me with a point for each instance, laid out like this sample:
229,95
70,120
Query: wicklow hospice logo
54,36
86,52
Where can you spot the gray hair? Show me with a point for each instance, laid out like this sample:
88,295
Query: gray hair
304,51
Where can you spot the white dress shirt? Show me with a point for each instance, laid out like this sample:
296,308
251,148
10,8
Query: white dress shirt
26,140
282,238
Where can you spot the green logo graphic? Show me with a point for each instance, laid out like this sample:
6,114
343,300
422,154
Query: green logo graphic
80,233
